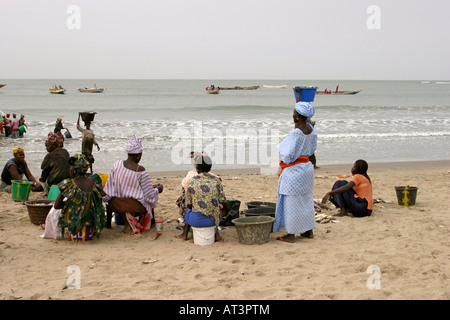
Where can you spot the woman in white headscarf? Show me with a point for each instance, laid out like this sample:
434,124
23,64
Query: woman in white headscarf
295,204
129,187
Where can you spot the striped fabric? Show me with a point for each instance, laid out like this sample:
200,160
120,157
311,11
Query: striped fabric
125,183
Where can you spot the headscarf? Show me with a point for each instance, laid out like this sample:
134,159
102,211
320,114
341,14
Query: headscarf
80,163
17,150
134,146
55,139
304,109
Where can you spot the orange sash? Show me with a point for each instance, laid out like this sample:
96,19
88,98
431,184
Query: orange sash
301,159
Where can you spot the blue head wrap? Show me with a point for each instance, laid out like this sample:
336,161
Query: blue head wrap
304,109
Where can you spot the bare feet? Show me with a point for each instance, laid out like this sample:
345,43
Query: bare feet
308,234
287,238
181,236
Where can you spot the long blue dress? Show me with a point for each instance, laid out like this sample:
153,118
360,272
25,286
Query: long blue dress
295,204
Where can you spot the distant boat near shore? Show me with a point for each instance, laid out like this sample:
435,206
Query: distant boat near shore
337,92
91,90
275,87
2,85
239,88
57,90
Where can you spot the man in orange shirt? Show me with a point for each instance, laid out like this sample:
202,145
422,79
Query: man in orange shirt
355,196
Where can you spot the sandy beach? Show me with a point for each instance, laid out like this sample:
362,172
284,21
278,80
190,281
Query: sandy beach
397,253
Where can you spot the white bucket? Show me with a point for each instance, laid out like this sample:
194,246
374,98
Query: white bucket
204,236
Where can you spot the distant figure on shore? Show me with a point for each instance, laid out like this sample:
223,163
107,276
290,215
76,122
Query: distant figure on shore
7,125
88,141
137,196
22,123
14,127
83,207
55,166
58,126
295,204
14,169
355,196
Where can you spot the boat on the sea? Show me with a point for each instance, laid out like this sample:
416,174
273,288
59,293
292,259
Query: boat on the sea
2,85
275,87
337,92
57,90
91,90
213,90
239,88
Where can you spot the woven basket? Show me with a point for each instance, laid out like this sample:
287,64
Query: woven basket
38,210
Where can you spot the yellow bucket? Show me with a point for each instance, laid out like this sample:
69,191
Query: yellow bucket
104,178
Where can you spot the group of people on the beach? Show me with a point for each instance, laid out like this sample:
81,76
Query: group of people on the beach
85,201
12,127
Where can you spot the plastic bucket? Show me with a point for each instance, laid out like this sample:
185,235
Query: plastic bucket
254,230
204,236
307,94
53,193
406,195
118,219
20,190
258,204
104,177
88,116
260,211
159,225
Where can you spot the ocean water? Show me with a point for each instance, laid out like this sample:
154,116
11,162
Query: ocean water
388,121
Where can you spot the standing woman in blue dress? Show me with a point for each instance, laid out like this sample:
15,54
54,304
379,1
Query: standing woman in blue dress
295,204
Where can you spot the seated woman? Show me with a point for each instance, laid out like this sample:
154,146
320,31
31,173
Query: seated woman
129,187
355,196
14,169
204,195
181,201
83,206
55,166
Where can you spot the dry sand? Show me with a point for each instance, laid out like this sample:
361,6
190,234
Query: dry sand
408,245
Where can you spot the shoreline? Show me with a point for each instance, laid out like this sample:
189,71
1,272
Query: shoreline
340,168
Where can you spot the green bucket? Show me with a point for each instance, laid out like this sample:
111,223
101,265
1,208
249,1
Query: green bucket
53,193
20,190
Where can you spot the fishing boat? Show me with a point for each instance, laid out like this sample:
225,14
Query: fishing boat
57,90
275,87
213,90
337,92
240,88
2,85
91,90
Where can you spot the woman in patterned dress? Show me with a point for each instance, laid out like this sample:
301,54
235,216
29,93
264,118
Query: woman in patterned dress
83,206
204,194
295,204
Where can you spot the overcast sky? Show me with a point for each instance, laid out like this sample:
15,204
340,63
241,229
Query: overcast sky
228,39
